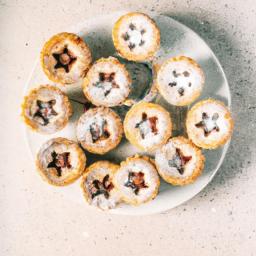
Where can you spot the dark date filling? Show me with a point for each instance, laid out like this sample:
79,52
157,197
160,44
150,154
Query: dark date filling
181,90
59,161
126,36
136,181
152,124
179,161
45,111
97,187
203,124
65,59
99,132
107,77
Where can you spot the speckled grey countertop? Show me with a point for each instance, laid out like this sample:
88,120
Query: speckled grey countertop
221,220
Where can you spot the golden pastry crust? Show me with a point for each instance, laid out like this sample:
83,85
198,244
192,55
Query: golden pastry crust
197,170
115,130
155,177
81,58
193,95
113,66
133,134
124,50
62,119
49,174
194,135
110,169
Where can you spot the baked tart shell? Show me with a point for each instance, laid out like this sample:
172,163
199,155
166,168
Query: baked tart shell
86,82
111,144
176,181
129,133
122,51
111,167
201,143
136,202
72,177
195,94
58,39
33,95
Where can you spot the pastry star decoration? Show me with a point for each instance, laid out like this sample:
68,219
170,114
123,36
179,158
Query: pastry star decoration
99,132
181,90
133,32
64,59
59,161
179,161
107,82
151,122
136,181
45,110
97,187
208,124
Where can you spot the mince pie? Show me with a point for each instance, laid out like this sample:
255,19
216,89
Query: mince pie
46,109
180,80
147,126
136,36
107,83
99,130
65,58
137,180
209,124
60,161
97,185
179,161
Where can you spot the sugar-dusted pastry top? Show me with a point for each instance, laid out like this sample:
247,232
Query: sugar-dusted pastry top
60,161
179,161
46,109
99,130
180,80
137,180
209,124
136,36
147,125
97,185
65,58
107,83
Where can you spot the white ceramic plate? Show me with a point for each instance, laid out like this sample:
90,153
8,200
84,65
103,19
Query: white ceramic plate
176,39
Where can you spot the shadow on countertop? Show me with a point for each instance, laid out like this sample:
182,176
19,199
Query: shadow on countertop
237,64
